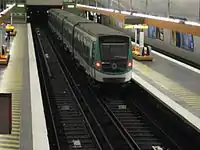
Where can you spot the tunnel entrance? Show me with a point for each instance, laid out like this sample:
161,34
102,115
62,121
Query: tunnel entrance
38,14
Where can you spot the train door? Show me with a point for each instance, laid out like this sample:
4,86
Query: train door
92,59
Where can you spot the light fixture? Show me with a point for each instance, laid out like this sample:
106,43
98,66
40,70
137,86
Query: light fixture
142,15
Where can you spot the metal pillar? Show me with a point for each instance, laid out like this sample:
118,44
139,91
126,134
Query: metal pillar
4,4
169,6
110,3
146,6
131,5
141,42
118,5
199,9
2,37
11,18
136,36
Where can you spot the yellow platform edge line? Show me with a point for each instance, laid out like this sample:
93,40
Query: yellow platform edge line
174,88
1,148
9,141
9,145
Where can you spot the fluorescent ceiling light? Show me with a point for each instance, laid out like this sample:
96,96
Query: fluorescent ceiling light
20,5
141,15
7,9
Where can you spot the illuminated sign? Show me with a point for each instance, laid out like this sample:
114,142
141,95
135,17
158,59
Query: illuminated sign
139,26
70,6
20,5
128,26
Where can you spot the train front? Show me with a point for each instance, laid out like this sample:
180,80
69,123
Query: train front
114,62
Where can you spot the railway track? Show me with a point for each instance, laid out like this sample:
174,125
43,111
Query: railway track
69,129
115,138
136,123
100,120
131,125
70,125
158,124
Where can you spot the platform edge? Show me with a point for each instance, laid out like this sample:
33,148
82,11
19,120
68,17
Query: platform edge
39,129
193,120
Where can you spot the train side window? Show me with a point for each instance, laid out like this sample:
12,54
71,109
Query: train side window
80,45
67,34
78,36
70,33
64,32
76,40
87,50
84,49
75,34
93,50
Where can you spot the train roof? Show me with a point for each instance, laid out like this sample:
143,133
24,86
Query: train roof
101,30
89,26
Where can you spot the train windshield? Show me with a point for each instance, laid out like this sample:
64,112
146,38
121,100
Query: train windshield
114,51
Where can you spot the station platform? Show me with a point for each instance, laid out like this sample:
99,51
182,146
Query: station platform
20,77
173,83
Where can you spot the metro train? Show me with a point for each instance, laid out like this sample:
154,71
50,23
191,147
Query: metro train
104,53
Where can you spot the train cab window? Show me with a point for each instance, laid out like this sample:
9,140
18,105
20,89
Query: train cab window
70,34
66,34
114,51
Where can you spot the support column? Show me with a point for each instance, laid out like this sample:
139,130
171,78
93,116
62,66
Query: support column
146,6
169,6
141,38
87,15
131,5
141,42
11,18
95,17
136,35
2,37
199,9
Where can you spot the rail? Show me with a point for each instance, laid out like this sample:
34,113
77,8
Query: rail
70,126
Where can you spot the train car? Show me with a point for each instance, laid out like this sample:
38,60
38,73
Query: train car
104,53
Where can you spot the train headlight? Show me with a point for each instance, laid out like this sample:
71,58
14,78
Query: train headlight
98,65
130,64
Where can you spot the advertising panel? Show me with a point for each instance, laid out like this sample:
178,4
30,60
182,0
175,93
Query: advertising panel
152,32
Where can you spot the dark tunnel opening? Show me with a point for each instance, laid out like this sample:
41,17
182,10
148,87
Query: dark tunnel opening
38,14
